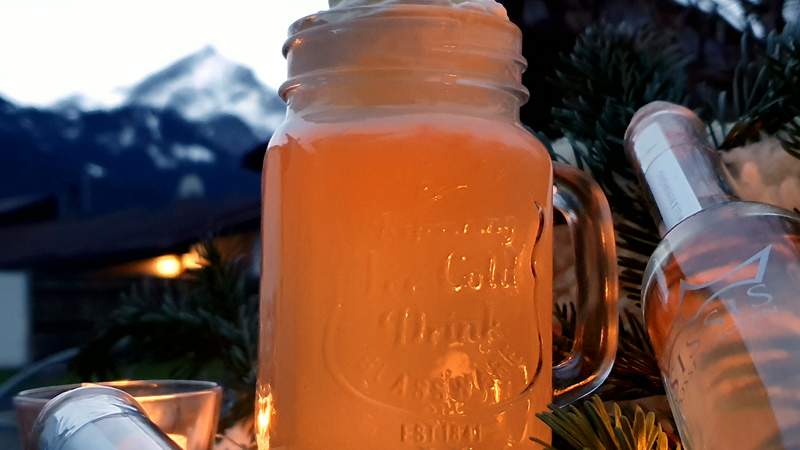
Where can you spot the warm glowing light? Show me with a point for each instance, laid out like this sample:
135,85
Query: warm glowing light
179,439
168,266
192,260
263,419
497,391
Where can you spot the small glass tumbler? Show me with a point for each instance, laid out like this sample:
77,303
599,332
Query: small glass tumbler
97,418
188,411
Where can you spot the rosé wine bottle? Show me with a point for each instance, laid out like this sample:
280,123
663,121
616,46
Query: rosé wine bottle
721,293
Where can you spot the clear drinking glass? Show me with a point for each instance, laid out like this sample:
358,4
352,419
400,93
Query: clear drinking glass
406,297
188,411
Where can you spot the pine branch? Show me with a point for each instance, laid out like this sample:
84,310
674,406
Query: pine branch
208,321
612,71
591,427
564,335
764,97
636,373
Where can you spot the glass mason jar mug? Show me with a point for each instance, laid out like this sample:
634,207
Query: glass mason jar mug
407,241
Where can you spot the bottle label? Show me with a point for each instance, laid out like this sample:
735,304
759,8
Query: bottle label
671,190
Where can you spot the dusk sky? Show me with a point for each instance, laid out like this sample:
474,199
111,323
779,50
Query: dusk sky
50,49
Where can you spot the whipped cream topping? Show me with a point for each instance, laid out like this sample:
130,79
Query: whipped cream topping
489,6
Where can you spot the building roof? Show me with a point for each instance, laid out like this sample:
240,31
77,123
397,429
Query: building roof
123,236
29,208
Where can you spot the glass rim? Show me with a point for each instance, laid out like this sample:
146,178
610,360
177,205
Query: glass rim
346,25
195,387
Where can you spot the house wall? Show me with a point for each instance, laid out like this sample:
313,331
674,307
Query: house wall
70,309
15,321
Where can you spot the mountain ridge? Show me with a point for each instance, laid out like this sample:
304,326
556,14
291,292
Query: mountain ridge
131,156
180,132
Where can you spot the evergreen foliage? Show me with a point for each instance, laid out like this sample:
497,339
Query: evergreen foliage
764,97
612,72
207,326
590,427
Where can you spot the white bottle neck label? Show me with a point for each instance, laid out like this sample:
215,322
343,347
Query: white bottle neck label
669,186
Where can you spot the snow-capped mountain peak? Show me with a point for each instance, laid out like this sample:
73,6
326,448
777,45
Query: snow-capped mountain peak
205,85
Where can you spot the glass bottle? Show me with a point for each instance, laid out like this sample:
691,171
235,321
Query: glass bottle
97,418
407,240
721,293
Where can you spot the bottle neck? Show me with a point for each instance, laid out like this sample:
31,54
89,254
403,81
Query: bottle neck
680,170
400,56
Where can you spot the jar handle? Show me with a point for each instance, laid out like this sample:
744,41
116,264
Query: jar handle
588,216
